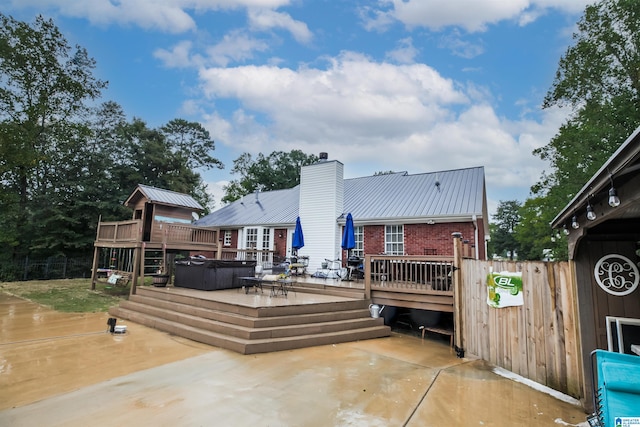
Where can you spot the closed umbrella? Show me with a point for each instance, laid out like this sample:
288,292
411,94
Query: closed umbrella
349,235
349,241
298,237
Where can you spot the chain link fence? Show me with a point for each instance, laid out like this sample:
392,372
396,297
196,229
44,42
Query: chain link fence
44,269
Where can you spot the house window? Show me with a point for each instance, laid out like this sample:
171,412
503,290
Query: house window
227,237
359,249
394,240
251,238
266,244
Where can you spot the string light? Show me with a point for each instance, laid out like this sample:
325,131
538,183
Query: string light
591,215
574,222
614,200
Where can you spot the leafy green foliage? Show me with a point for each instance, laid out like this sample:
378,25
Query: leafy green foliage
64,165
534,234
599,79
506,220
277,171
44,84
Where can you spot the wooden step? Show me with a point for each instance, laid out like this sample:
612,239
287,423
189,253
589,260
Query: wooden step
296,326
239,324
249,321
252,311
252,346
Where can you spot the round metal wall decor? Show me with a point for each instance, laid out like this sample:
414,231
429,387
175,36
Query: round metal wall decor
616,275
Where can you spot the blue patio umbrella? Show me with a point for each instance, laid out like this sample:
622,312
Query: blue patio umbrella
349,235
298,237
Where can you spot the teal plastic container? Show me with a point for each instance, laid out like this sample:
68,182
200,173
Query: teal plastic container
618,389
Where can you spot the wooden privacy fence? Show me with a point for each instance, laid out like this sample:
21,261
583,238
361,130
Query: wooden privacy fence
538,340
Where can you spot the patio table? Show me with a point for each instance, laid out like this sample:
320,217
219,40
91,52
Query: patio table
277,286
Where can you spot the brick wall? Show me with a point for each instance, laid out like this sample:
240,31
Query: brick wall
374,239
422,239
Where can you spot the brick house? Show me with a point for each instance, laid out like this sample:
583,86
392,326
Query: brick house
394,214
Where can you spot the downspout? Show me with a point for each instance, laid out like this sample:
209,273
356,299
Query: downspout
475,235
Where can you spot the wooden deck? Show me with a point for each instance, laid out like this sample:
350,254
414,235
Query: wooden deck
256,322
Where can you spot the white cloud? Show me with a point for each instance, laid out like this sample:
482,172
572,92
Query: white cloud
472,15
378,116
264,19
405,53
235,46
458,46
148,14
165,15
216,190
179,56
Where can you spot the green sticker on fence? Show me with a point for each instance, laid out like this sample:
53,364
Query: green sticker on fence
504,289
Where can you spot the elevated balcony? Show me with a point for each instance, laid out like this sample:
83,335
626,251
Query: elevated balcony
127,234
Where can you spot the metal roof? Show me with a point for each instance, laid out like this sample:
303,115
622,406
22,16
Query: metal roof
166,197
373,199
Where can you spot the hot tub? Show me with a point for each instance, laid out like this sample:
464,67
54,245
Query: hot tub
212,274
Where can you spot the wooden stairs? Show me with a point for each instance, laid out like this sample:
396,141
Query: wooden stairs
247,329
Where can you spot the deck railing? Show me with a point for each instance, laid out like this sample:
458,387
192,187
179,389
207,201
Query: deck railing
265,258
417,272
119,231
180,233
173,234
410,281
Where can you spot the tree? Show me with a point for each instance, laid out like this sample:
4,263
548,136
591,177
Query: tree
598,77
604,61
43,87
191,141
277,171
534,234
506,221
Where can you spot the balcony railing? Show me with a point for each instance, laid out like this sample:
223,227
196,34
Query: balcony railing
179,233
119,231
173,234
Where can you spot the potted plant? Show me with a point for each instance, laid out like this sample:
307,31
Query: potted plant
160,280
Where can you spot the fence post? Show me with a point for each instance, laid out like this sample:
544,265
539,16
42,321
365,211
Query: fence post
367,277
26,268
457,293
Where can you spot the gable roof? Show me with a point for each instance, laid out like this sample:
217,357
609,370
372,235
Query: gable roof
165,197
373,199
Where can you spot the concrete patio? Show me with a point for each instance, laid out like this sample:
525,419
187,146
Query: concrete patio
61,369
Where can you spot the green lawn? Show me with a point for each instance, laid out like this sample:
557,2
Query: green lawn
68,295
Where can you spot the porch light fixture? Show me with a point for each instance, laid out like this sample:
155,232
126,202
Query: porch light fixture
574,222
591,215
565,230
614,200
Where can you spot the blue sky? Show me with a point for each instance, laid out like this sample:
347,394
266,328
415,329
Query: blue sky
402,85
